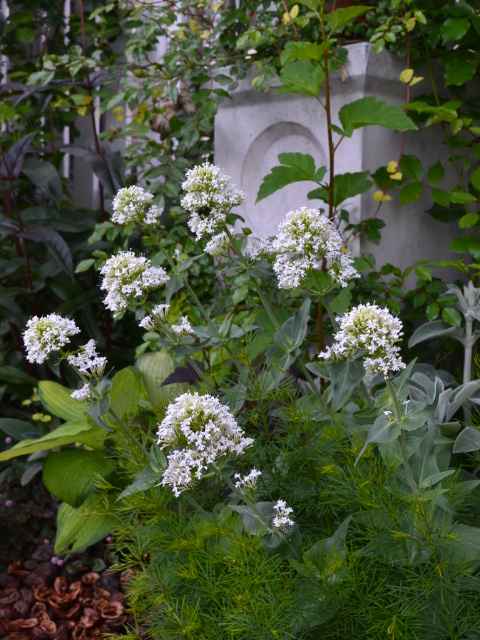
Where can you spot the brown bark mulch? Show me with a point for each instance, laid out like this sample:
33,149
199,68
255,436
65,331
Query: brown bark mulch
49,604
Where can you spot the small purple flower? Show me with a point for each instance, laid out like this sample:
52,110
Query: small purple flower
8,503
54,560
108,539
8,439
59,562
46,541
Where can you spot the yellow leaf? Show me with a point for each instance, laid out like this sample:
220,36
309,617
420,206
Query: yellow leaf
410,24
142,107
392,166
193,25
415,80
217,5
294,11
286,18
82,111
118,114
205,34
406,75
398,175
379,196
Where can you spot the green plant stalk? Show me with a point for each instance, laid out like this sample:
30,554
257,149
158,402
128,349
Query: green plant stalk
401,438
284,338
469,344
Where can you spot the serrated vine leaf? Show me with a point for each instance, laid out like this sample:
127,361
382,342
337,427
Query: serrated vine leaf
341,17
303,77
348,185
295,167
370,111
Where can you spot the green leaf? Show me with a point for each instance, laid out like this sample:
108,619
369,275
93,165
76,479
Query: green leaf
45,176
54,243
17,429
314,5
82,527
68,433
84,265
423,272
434,330
441,197
155,368
146,478
14,375
467,440
410,193
412,167
460,68
370,111
57,400
432,311
303,77
345,377
209,109
296,167
466,244
475,179
468,220
296,326
341,17
71,474
436,173
328,547
348,185
303,50
464,549
452,316
454,29
125,392
459,197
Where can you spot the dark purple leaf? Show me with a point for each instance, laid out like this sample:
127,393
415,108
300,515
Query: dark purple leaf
55,244
12,160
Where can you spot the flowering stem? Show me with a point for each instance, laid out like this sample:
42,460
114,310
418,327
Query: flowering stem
130,435
258,289
469,342
401,438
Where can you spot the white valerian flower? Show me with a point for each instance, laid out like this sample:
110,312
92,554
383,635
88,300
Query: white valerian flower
159,312
126,277
200,429
47,334
183,327
305,238
129,206
281,519
217,245
209,197
249,481
87,360
372,329
259,246
84,394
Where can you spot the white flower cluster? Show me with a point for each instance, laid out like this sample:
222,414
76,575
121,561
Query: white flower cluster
372,329
259,246
84,394
87,360
281,519
249,481
304,239
159,312
202,430
217,245
126,276
47,334
183,327
209,188
129,206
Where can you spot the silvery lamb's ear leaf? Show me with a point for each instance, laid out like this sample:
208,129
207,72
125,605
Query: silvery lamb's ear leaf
435,329
461,395
468,440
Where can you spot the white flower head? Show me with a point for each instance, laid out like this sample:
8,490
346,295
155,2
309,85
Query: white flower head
259,246
126,277
159,312
305,238
200,429
372,329
217,246
84,394
47,334
129,206
210,195
87,360
249,481
183,327
281,519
